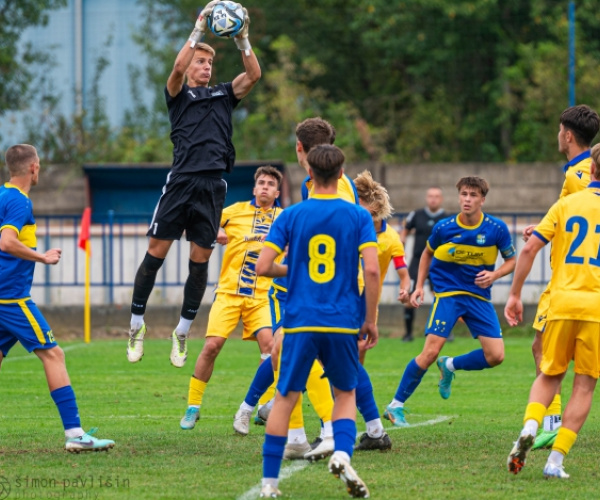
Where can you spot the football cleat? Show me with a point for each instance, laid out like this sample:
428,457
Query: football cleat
135,344
446,377
192,415
179,351
322,450
269,491
296,451
518,454
316,442
367,443
342,469
396,416
544,439
241,422
554,470
265,410
87,442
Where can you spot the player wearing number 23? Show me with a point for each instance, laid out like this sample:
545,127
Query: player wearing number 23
573,324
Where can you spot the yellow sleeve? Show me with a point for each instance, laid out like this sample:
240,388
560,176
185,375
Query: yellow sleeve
397,246
577,179
547,228
228,212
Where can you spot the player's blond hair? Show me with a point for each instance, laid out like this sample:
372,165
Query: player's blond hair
374,195
206,48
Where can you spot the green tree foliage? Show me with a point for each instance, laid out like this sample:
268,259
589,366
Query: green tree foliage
16,59
402,81
413,80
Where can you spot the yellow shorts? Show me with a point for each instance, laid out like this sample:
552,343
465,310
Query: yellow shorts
228,309
564,340
542,311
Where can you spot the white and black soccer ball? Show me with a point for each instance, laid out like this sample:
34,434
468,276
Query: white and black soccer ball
226,19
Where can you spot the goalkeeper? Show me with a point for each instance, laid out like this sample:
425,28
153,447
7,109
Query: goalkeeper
194,194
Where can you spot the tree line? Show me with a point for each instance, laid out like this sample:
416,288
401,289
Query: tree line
402,81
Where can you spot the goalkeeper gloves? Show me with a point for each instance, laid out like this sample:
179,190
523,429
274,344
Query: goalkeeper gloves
199,31
241,39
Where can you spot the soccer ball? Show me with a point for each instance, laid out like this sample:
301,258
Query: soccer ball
226,19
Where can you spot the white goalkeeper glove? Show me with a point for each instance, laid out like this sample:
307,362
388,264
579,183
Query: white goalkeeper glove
199,31
241,39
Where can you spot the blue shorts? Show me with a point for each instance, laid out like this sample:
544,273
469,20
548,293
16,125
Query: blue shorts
479,316
277,298
337,351
22,321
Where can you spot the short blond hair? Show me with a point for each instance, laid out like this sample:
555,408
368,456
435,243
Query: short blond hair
206,48
374,195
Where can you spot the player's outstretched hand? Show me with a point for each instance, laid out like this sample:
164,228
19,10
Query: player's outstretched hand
416,299
241,39
370,333
513,311
52,256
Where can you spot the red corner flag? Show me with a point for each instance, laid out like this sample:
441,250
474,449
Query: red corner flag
84,232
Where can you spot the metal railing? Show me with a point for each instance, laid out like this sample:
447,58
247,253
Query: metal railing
120,243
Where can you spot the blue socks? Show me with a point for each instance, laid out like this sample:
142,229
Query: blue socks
262,380
64,398
413,374
365,402
474,360
273,455
344,435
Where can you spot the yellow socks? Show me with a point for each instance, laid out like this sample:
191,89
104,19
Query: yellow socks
565,439
196,392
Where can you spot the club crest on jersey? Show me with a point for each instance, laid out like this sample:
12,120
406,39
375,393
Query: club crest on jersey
481,239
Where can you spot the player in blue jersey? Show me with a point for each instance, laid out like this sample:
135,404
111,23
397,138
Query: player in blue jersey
20,319
323,258
194,194
460,258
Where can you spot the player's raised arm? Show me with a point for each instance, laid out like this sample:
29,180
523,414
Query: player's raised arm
243,83
186,54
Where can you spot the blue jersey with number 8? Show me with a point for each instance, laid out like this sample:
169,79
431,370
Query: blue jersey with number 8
325,235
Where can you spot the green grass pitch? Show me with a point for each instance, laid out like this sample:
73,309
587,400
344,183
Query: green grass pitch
458,451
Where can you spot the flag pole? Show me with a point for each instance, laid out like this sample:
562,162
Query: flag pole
86,244
87,328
